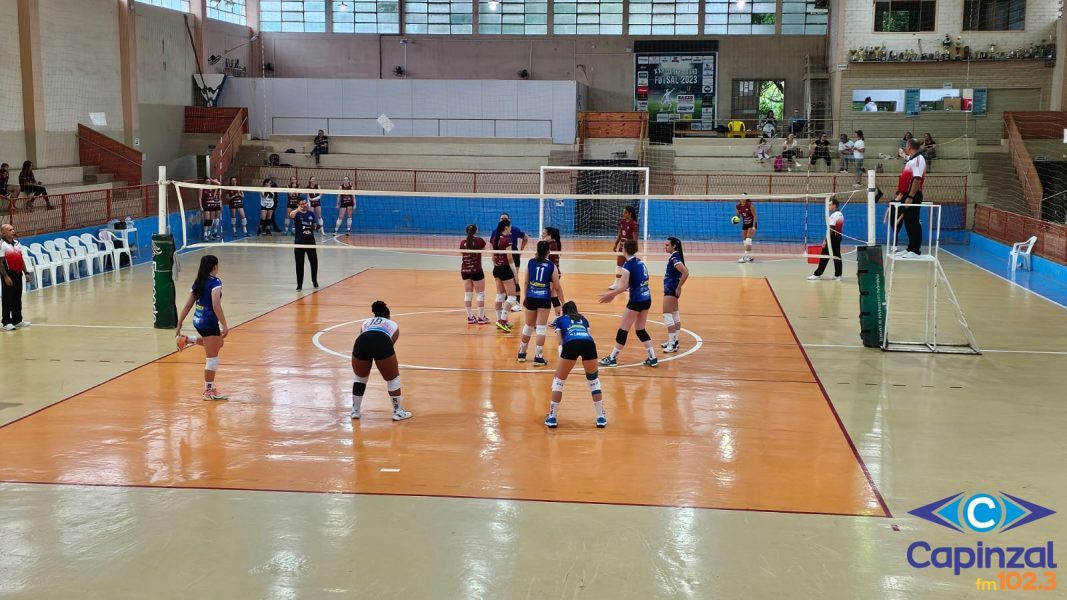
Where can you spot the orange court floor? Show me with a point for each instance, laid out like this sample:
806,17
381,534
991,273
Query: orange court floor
736,420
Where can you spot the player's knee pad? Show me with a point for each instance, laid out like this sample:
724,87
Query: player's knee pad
393,384
527,331
468,296
512,300
555,302
359,386
594,383
668,319
501,297
620,337
748,242
677,317
557,384
481,297
212,364
593,375
542,330
643,335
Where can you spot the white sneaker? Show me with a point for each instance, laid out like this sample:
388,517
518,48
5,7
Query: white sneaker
907,255
23,323
355,414
837,278
613,286
400,415
814,278
9,327
516,308
750,259
742,259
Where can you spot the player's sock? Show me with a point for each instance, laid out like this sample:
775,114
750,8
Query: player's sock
192,339
539,351
523,346
672,338
244,225
470,313
503,314
338,226
233,224
322,225
349,224
552,408
615,352
208,385
651,352
599,406
357,404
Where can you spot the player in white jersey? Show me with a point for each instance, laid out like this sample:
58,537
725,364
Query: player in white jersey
375,345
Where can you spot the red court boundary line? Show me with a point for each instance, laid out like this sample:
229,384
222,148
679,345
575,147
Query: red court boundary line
160,358
830,405
447,496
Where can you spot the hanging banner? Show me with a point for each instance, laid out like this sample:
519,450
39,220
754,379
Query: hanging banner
911,102
981,100
677,88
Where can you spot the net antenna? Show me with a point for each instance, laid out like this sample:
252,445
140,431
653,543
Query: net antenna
934,283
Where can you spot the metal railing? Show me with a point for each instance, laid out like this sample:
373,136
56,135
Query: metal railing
78,209
1009,228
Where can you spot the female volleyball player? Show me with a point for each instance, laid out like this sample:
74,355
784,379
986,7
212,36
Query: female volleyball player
315,202
635,279
208,320
211,206
747,212
236,199
470,271
575,343
519,239
627,231
504,276
293,201
305,236
673,279
374,344
346,204
266,209
541,279
551,235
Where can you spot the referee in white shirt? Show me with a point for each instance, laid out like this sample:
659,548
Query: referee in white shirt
12,270
836,223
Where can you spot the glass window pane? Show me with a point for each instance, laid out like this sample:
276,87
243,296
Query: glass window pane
182,5
602,17
296,16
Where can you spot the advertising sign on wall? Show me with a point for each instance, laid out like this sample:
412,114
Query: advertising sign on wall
676,88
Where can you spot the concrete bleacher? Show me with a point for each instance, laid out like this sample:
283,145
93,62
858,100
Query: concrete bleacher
69,179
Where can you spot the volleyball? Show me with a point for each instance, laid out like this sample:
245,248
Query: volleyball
735,220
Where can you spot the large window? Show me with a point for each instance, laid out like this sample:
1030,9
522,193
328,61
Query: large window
904,15
515,17
439,16
587,17
664,17
754,98
368,16
231,11
803,17
994,15
292,15
731,17
182,5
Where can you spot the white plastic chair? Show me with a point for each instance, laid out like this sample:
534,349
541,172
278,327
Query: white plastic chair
96,257
1022,250
63,257
97,248
44,263
35,273
81,257
108,240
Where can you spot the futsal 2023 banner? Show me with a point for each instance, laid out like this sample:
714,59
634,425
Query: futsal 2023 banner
676,87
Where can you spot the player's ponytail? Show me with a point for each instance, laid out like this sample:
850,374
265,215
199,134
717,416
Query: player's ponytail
632,210
471,230
571,310
379,309
543,247
207,265
677,244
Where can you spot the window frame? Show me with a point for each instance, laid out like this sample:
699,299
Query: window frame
355,23
216,5
963,21
158,4
304,22
933,22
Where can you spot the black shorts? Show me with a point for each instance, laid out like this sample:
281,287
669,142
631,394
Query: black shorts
537,303
348,202
747,226
670,290
209,331
575,349
503,272
480,275
373,345
639,305
516,259
235,204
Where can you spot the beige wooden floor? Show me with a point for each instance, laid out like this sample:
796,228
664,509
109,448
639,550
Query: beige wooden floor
925,426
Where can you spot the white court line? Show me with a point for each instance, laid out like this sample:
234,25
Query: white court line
1052,352
91,326
1018,285
317,340
389,470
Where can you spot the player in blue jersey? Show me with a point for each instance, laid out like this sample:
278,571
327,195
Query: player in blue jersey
208,319
551,235
634,279
542,278
575,343
673,279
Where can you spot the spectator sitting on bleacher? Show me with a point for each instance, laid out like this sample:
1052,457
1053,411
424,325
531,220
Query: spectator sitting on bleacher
789,152
903,146
322,145
763,150
820,150
844,150
29,185
797,123
929,150
4,176
769,125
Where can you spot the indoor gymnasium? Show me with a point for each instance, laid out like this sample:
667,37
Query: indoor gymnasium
612,299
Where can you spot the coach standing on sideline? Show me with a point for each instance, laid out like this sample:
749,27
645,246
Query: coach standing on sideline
910,192
12,269
305,226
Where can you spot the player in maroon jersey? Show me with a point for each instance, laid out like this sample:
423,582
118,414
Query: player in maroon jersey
504,275
747,212
293,201
211,206
346,204
315,202
551,235
236,198
473,277
627,231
